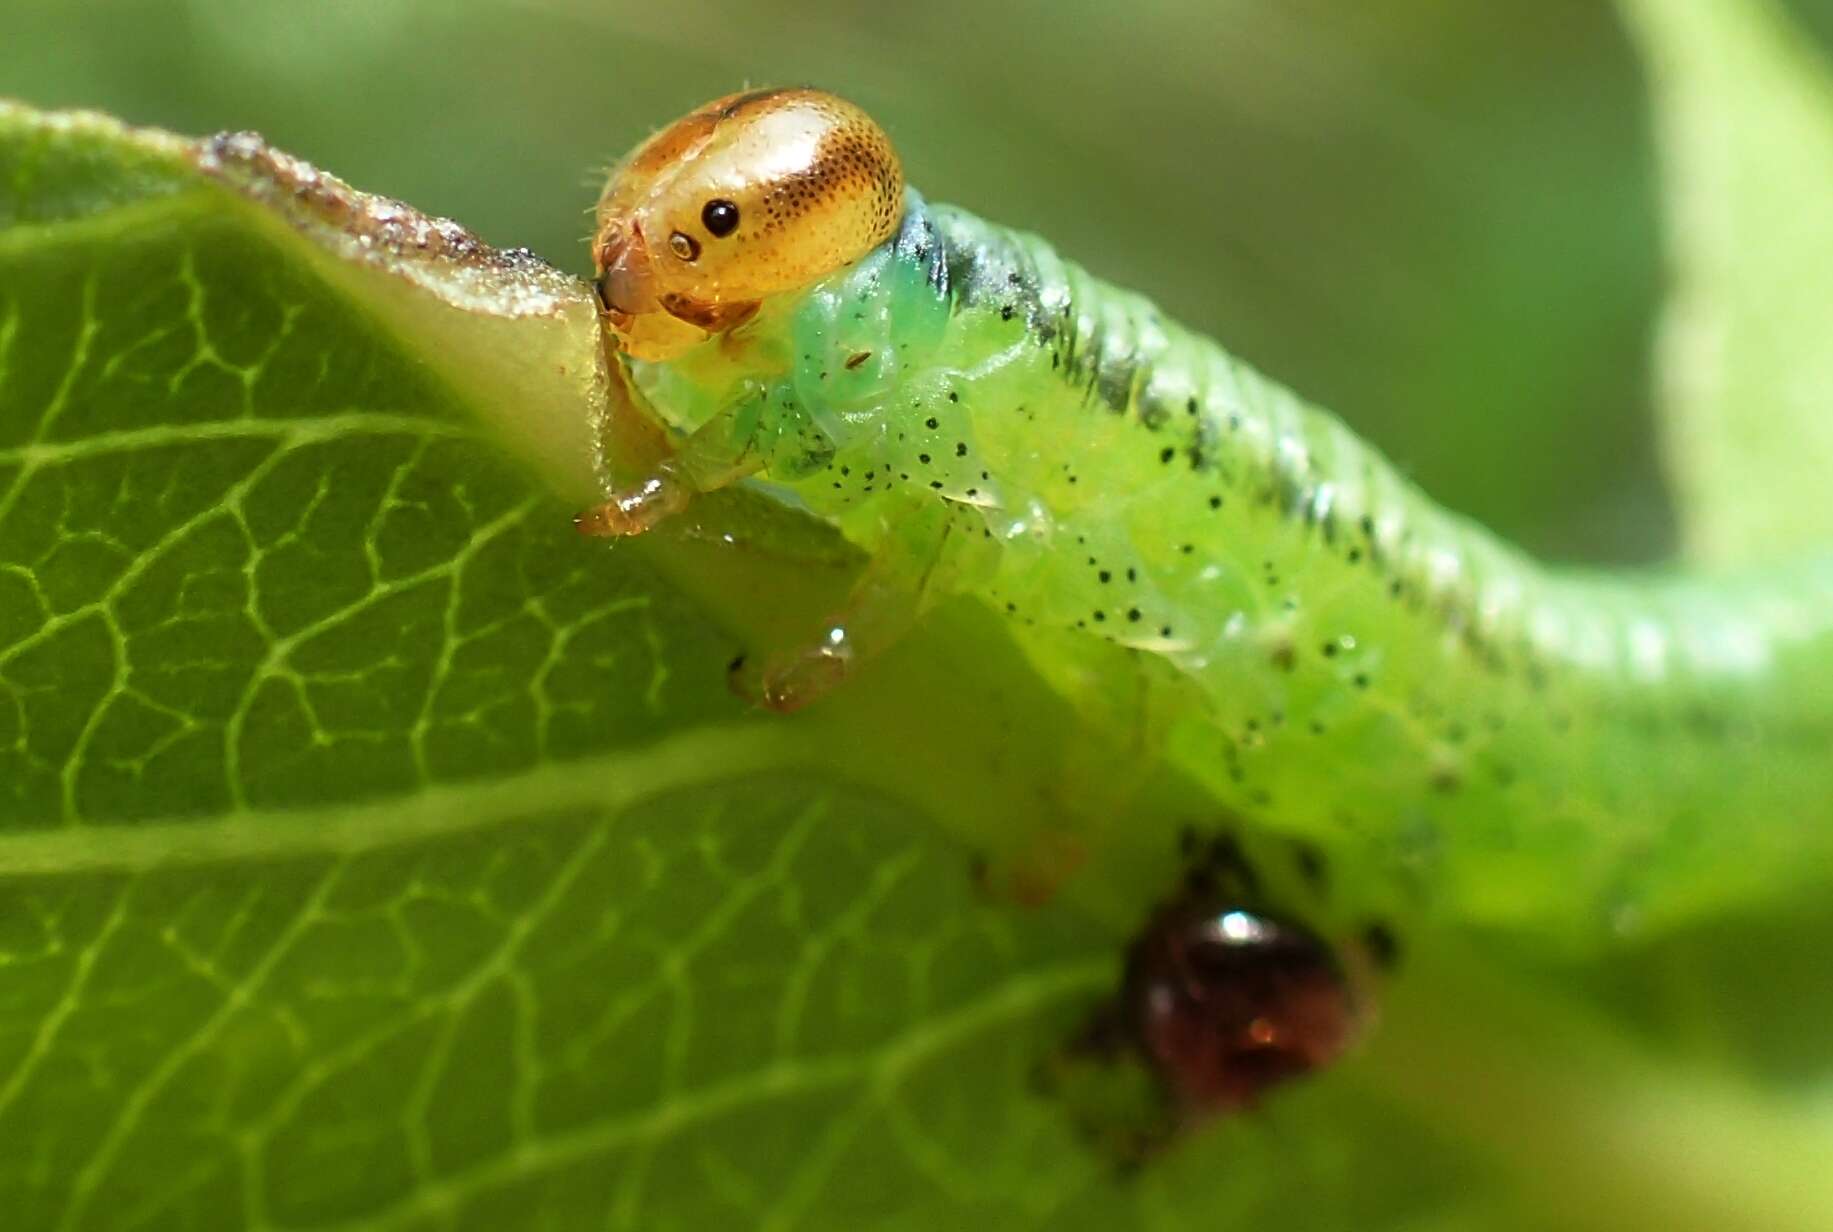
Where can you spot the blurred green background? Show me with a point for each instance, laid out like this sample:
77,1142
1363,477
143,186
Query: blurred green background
1436,218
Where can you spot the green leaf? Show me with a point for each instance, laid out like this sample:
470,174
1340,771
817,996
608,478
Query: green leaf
1744,110
376,853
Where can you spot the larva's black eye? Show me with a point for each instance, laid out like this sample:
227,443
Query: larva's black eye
720,217
684,246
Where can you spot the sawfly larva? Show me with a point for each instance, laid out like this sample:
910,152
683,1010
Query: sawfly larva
1332,653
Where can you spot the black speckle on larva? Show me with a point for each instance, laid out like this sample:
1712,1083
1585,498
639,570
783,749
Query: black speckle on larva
1310,863
1382,945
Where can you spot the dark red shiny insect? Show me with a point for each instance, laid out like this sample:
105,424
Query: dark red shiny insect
1220,1000
1224,1002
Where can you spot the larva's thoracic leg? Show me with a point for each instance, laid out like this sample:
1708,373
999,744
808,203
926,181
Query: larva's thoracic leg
637,508
935,550
724,450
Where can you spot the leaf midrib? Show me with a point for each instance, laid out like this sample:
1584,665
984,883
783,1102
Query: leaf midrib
705,755
107,222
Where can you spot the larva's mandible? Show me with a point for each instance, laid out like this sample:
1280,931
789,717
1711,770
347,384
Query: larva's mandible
1337,656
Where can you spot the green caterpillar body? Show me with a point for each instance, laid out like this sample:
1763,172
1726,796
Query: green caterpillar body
1336,656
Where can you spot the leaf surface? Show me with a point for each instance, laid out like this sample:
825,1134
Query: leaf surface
375,853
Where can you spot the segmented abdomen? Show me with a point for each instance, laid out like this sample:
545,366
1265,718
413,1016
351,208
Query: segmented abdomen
1508,740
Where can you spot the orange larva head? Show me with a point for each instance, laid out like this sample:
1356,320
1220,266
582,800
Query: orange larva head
752,195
